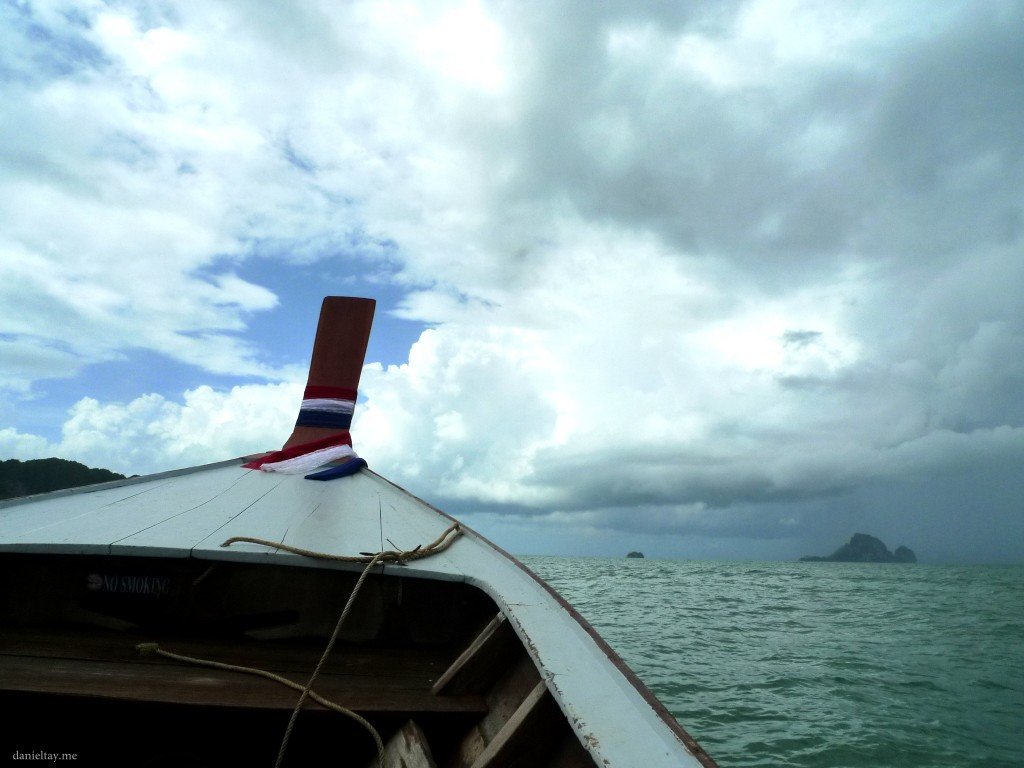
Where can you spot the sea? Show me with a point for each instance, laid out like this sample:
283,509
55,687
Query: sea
819,664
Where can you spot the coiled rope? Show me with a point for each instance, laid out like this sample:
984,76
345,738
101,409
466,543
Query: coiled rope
398,557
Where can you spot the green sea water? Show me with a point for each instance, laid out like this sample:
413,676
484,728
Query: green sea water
819,664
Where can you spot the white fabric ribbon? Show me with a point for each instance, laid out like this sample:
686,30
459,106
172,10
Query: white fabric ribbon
330,405
309,461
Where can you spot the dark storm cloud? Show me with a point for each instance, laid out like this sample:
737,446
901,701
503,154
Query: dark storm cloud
910,150
800,338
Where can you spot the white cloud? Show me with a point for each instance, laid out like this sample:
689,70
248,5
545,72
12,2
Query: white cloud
152,433
681,257
638,380
38,358
17,445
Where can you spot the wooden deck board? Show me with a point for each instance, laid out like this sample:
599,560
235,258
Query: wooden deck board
192,522
101,518
108,665
420,666
186,684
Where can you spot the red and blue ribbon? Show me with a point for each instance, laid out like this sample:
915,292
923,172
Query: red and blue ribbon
329,407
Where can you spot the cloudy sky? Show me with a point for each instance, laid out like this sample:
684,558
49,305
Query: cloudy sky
712,279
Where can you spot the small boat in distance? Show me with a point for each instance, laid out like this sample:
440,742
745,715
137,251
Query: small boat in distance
296,608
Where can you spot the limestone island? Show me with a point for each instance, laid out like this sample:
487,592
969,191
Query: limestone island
865,549
634,553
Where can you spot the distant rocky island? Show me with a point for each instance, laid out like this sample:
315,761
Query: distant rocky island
863,548
24,478
634,553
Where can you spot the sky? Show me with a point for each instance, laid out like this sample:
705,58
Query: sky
710,280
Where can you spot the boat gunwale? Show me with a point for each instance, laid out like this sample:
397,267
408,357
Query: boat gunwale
688,741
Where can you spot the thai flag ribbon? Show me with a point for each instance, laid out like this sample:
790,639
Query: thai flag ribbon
344,469
327,407
303,458
322,406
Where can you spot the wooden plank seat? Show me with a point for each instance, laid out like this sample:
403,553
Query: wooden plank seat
107,665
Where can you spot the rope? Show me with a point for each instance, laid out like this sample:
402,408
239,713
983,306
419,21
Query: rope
154,649
440,544
399,557
327,652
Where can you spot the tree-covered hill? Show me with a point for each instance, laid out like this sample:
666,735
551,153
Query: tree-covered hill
24,478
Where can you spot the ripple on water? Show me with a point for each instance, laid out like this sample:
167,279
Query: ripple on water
810,664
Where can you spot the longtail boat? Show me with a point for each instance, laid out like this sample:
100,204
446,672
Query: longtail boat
296,608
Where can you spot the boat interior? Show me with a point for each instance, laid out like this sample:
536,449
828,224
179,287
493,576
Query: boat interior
433,665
